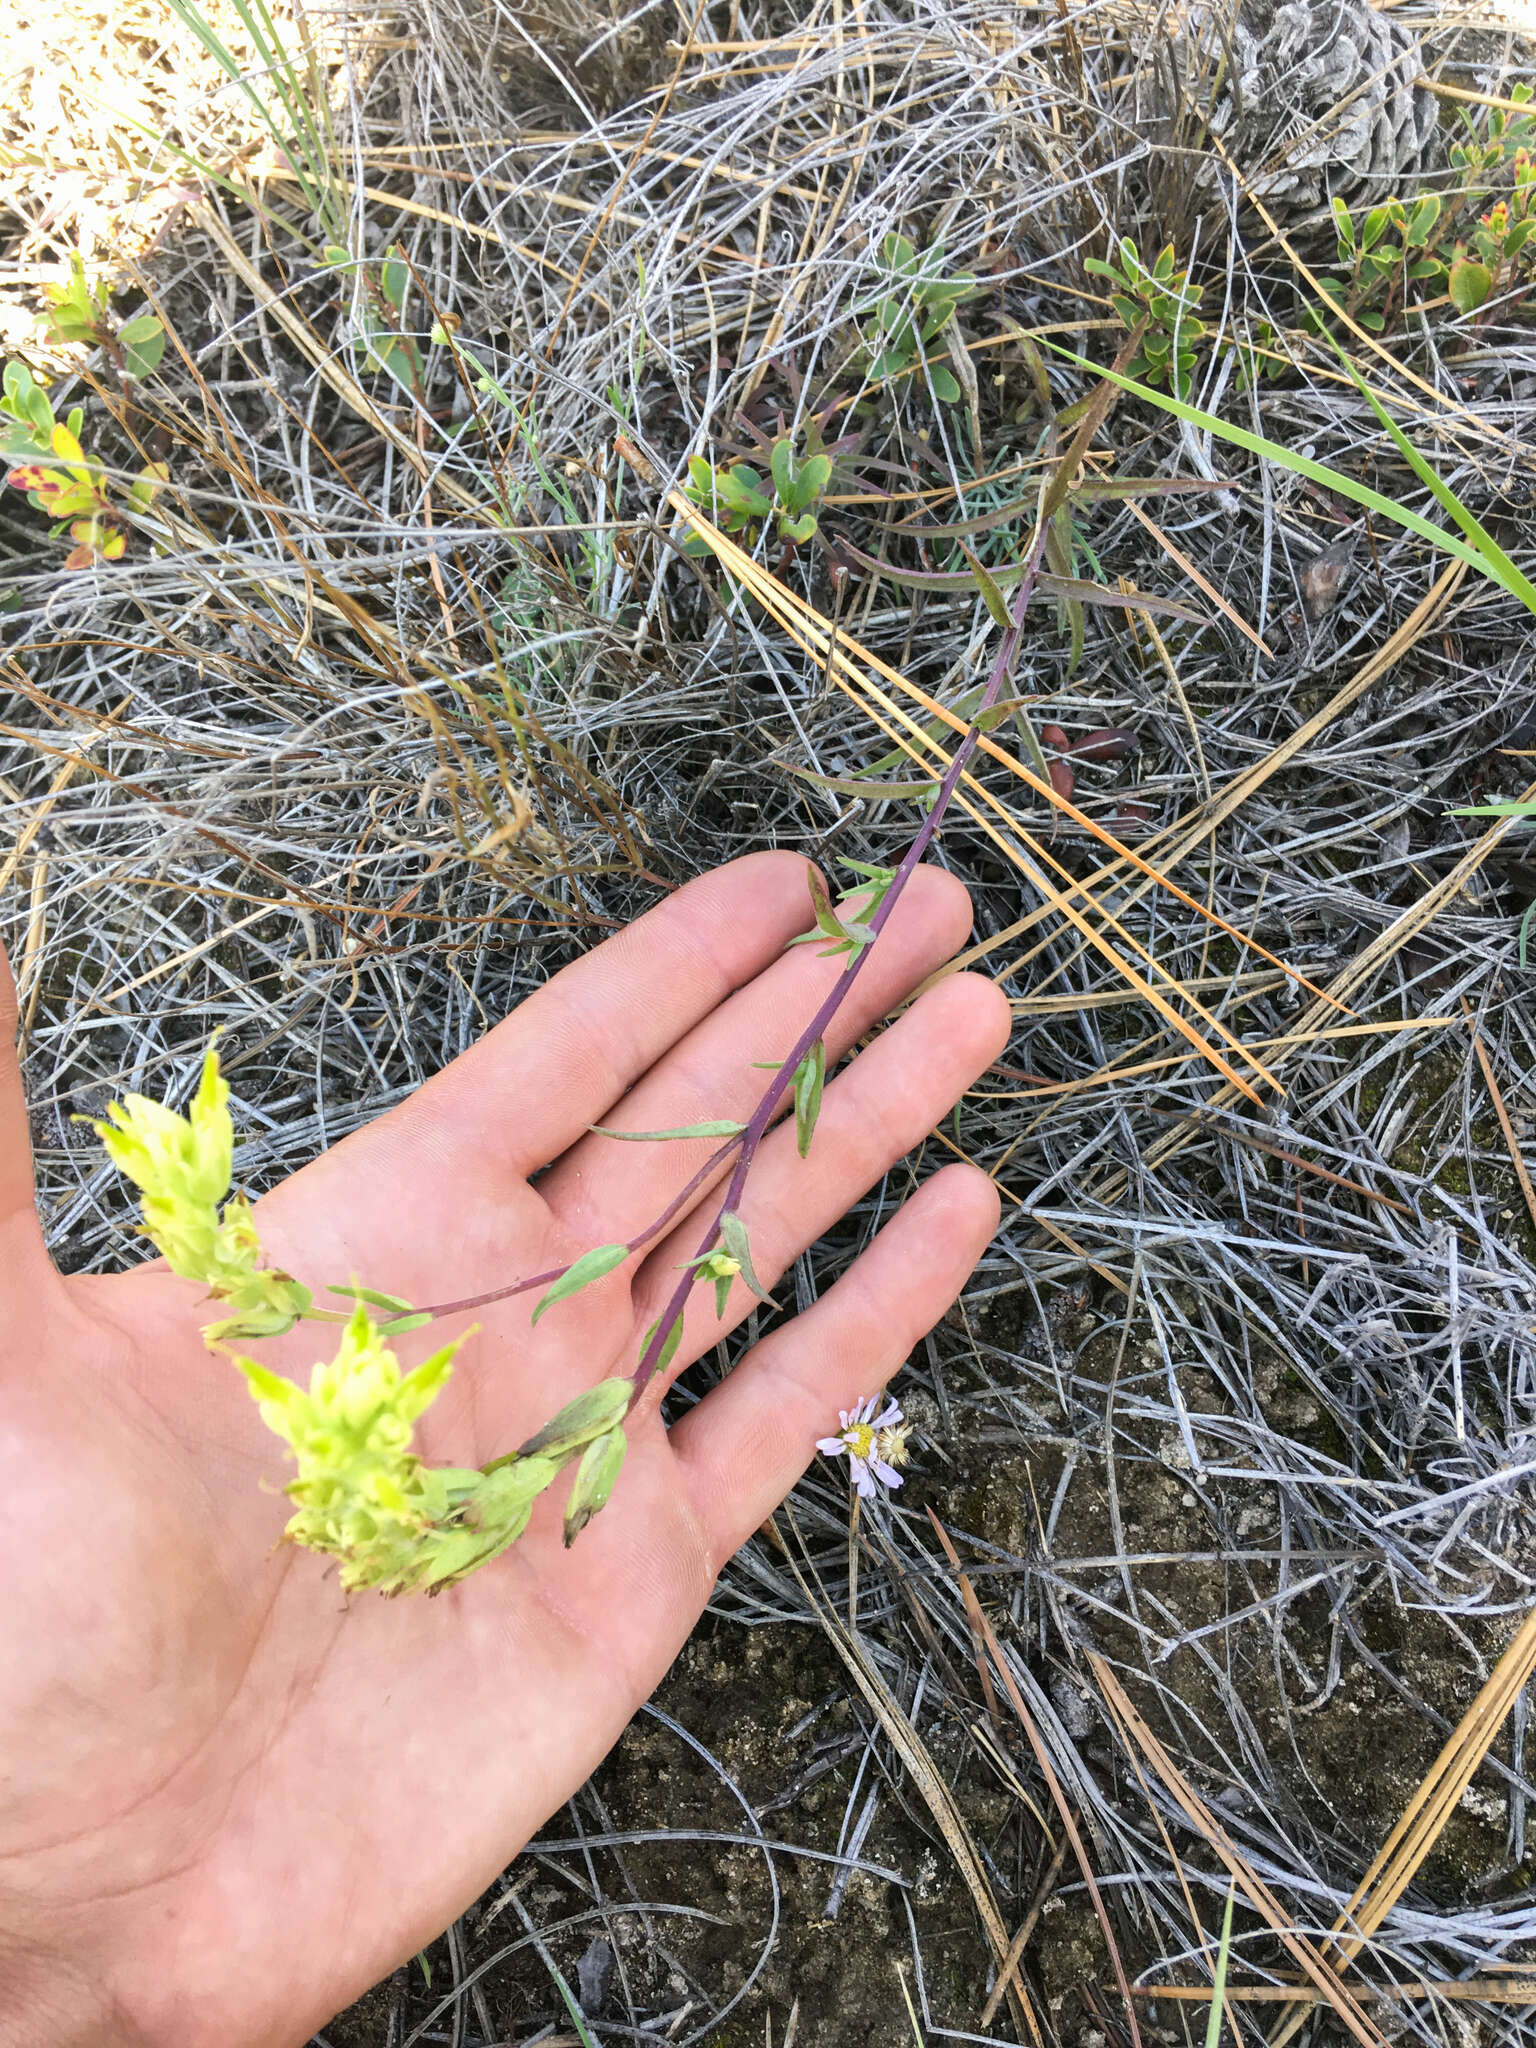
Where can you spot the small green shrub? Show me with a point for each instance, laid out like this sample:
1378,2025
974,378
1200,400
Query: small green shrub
1161,295
914,308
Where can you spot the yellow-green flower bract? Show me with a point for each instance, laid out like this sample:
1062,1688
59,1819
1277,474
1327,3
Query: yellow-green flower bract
181,1166
363,1495
394,1524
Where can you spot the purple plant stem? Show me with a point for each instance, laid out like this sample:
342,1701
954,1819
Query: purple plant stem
762,1116
747,1141
714,1161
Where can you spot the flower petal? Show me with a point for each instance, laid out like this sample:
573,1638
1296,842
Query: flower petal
886,1474
831,1446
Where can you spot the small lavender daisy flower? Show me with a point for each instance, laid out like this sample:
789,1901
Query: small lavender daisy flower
875,1444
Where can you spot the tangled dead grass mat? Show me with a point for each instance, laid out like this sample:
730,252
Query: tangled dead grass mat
1217,1555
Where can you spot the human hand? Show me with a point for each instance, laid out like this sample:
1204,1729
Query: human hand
230,1799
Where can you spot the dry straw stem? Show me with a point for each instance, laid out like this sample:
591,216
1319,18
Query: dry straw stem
987,1639
1201,582
1176,842
1429,1809
929,1781
840,655
1515,1989
1137,1735
1027,1927
1496,1094
1360,971
323,360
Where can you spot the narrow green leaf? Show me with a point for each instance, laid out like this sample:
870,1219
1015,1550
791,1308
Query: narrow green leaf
782,464
1318,472
1219,1981
580,1422
1049,584
590,1266
578,2018
986,583
374,1297
721,1128
733,1235
668,1350
1492,558
875,791
810,1076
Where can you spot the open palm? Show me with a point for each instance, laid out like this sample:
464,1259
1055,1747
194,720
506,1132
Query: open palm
230,1798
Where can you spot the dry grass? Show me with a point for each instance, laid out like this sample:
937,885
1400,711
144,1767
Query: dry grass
408,695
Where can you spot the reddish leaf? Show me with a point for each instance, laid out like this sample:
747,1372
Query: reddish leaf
1106,743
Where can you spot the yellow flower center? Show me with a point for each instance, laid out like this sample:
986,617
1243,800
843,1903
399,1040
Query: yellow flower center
860,1439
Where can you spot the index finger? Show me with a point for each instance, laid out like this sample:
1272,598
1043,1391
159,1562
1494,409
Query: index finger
520,1096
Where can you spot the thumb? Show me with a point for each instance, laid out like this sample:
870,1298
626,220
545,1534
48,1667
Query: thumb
21,1237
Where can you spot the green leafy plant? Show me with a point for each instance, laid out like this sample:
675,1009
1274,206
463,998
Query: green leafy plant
52,469
1444,242
1478,157
741,500
1161,295
362,1495
1390,246
916,304
79,311
381,342
1502,255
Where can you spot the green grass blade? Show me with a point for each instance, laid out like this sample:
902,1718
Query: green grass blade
578,2018
1317,472
1219,1983
301,134
1500,565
